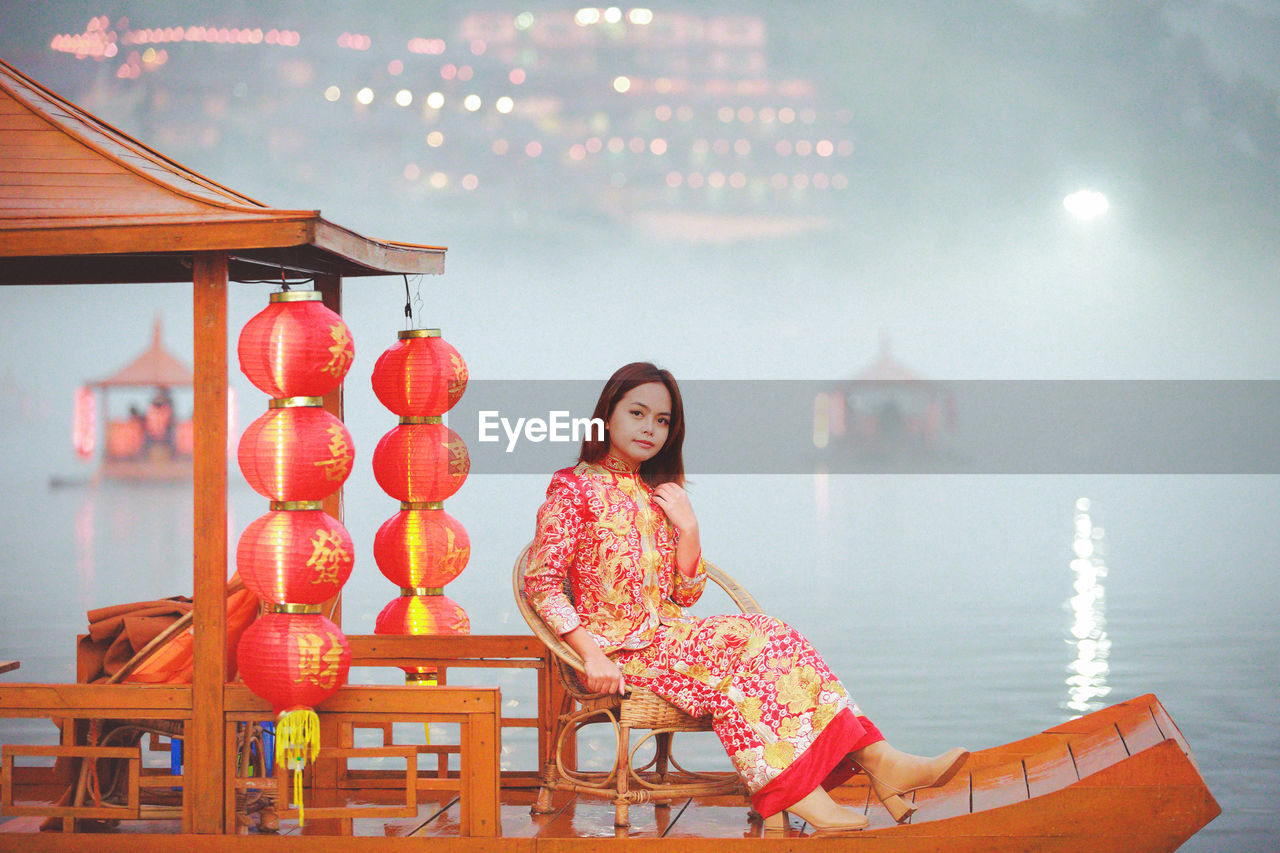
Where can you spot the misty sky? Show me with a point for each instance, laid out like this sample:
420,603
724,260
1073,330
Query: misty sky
972,121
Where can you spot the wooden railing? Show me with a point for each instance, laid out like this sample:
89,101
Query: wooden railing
477,711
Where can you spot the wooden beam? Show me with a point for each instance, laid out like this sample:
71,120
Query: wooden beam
330,288
385,257
155,701
367,649
443,702
133,234
204,748
325,773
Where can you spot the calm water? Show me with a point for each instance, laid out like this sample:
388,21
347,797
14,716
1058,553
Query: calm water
958,610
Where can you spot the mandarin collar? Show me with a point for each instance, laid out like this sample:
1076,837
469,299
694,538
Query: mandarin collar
617,466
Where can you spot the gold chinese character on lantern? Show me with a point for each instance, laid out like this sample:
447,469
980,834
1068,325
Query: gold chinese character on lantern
459,461
455,558
327,557
340,352
339,464
458,382
317,662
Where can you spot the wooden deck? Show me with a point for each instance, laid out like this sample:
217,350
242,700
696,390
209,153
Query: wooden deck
1122,779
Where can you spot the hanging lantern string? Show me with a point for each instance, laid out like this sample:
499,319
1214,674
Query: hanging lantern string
408,308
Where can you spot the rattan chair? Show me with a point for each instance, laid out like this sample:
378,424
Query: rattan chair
660,780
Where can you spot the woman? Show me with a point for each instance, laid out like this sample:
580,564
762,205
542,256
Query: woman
620,527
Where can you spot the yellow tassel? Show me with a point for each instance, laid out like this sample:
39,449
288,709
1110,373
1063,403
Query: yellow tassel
297,742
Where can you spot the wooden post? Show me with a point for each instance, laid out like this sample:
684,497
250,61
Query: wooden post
330,287
327,772
204,770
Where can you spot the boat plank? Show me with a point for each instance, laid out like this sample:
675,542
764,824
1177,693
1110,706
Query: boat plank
994,787
951,800
697,820
592,819
1051,770
1140,732
517,821
1105,716
1098,751
1024,748
443,820
1170,729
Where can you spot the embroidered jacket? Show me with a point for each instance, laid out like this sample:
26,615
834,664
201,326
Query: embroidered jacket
600,529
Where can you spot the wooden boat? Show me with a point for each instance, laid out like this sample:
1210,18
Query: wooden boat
1120,779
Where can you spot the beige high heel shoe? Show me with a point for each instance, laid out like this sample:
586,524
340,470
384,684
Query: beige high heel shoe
894,773
824,815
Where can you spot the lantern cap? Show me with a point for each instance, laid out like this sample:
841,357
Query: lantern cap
424,419
417,333
421,505
295,609
295,402
407,591
298,296
296,506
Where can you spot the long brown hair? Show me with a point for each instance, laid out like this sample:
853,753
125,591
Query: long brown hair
667,465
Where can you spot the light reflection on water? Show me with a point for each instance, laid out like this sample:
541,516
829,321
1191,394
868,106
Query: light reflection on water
1087,684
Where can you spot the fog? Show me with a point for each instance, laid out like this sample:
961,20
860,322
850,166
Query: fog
969,123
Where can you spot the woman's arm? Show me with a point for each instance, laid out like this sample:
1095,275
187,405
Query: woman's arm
559,524
603,675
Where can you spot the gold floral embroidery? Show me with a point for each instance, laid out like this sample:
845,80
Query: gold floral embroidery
789,728
750,709
798,689
823,714
746,759
779,754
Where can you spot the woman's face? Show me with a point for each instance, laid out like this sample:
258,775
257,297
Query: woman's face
639,423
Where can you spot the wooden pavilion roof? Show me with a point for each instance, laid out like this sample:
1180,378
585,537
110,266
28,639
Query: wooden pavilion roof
155,366
83,202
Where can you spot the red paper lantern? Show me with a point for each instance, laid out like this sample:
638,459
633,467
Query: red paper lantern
84,423
299,557
419,615
293,660
420,375
297,451
421,547
421,461
295,347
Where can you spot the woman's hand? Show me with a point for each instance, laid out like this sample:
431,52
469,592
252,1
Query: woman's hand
604,676
674,501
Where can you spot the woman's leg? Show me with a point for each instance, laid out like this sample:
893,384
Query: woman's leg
782,715
894,772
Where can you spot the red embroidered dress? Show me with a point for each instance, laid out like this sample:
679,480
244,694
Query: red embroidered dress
783,717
